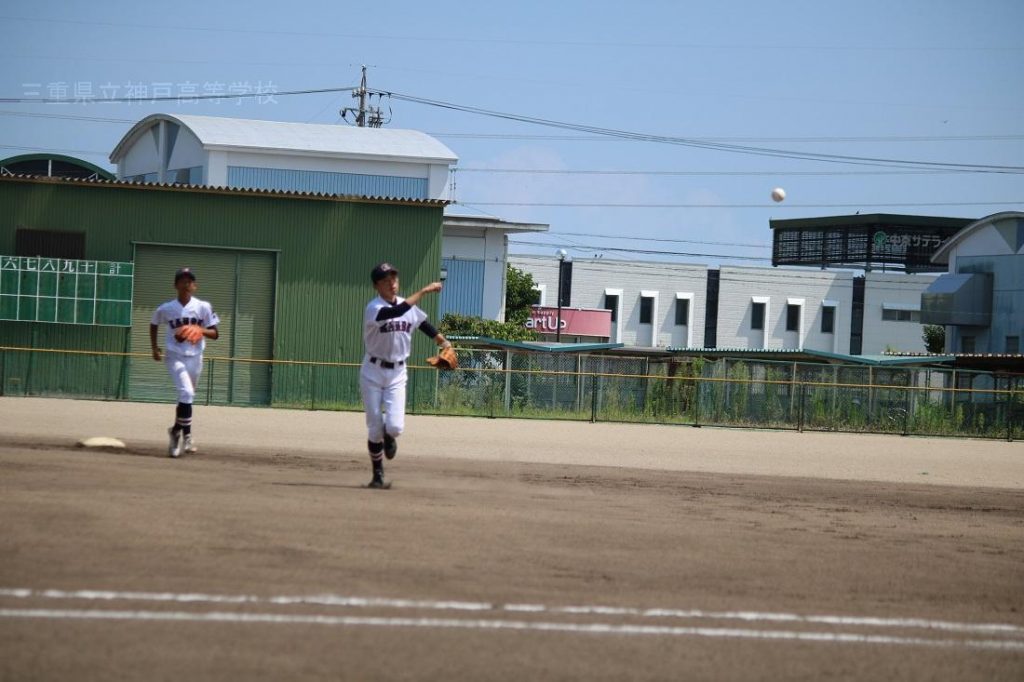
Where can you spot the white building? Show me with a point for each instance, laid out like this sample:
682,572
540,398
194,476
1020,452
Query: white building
693,306
474,251
301,157
652,304
980,301
783,308
892,312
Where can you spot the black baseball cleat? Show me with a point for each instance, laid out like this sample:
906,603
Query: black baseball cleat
378,483
390,447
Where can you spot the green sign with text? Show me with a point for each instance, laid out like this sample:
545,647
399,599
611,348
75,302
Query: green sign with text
65,291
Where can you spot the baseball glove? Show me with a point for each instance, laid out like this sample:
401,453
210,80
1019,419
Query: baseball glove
192,333
445,359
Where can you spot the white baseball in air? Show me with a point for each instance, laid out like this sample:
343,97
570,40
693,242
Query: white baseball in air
778,194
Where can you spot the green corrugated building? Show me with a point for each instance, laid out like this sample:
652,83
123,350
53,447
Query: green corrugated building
287,272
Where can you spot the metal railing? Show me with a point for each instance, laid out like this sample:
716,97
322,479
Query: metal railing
727,392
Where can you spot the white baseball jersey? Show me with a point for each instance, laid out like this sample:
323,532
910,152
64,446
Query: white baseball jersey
176,315
390,339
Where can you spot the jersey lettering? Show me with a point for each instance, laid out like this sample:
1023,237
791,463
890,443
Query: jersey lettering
396,326
181,322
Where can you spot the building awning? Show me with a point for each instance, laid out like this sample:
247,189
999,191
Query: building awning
963,300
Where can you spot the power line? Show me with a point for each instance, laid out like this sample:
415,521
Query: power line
168,98
585,247
52,150
556,171
753,275
655,239
882,138
902,204
713,146
447,39
72,117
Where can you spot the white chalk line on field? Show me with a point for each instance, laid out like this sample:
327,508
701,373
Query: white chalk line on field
478,624
452,605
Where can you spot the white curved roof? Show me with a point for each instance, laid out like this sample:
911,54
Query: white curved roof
941,255
215,132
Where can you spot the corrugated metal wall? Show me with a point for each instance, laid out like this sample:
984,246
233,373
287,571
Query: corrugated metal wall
463,292
325,182
327,249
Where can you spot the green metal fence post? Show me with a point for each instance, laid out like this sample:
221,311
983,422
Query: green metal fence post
312,386
906,412
508,382
800,407
209,381
593,397
1009,412
696,402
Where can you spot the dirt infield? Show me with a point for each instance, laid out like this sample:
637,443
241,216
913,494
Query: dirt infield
507,550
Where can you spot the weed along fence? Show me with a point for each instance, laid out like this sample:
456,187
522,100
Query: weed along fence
598,387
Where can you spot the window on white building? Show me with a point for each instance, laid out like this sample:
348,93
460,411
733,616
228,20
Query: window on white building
828,319
682,312
646,309
900,315
757,315
792,317
611,302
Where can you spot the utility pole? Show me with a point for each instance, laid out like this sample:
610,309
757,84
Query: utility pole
365,116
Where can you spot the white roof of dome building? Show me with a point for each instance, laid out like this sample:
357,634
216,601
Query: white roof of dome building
219,133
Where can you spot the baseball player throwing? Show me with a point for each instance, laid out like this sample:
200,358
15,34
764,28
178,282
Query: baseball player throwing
388,324
190,321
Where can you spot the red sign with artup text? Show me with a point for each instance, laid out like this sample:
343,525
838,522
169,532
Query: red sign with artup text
575,321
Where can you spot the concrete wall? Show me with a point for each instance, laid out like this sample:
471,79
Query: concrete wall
777,288
893,291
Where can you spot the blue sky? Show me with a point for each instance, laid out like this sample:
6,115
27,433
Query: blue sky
937,81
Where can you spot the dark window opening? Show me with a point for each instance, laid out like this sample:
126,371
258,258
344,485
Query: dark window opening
967,344
1013,344
611,302
792,318
757,316
646,310
828,320
682,312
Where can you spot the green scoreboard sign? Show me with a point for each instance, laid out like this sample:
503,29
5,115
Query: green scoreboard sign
66,291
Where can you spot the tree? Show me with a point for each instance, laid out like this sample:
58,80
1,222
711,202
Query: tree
520,293
467,325
934,337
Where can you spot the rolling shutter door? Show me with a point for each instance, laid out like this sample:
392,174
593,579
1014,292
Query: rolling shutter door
254,329
239,286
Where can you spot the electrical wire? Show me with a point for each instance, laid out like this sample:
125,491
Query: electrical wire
892,204
555,171
695,143
752,275
169,98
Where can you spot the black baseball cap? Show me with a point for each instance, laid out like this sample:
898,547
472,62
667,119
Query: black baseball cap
381,271
184,272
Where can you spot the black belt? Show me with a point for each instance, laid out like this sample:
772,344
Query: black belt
387,364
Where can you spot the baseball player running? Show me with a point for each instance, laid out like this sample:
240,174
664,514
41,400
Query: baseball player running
388,324
190,321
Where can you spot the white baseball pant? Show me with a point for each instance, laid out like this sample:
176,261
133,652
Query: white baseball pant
383,393
184,371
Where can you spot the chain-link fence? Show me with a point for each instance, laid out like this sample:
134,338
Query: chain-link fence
502,383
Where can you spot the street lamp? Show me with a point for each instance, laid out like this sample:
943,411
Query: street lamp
562,254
